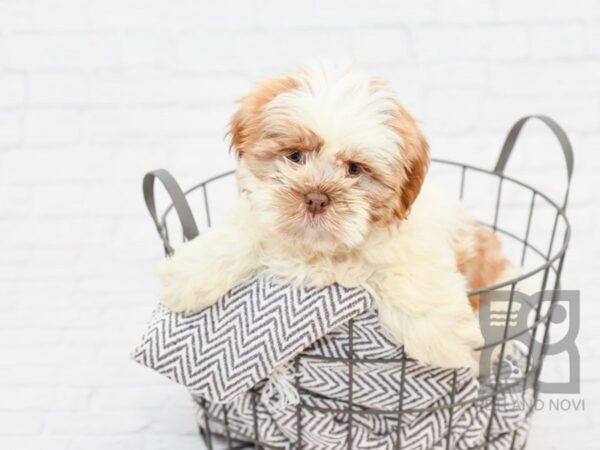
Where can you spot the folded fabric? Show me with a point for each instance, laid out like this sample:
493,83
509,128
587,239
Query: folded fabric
265,348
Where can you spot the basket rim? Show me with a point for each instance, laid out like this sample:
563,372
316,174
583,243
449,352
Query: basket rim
550,259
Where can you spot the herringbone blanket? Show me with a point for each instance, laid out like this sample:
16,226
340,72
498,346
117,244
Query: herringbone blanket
238,359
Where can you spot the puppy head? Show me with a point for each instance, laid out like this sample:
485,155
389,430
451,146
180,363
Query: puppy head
324,157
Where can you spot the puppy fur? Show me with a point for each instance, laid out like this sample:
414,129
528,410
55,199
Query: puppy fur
344,135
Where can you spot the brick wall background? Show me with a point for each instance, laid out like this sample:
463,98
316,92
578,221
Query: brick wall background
94,94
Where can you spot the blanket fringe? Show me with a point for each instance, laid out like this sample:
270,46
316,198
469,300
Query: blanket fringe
280,390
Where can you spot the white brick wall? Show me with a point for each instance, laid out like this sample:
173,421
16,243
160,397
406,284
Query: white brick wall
93,94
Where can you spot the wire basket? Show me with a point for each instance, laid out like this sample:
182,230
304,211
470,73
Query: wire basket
534,230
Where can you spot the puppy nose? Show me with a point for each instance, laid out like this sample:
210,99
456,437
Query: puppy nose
316,202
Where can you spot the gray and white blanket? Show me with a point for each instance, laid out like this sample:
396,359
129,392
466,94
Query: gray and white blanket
271,361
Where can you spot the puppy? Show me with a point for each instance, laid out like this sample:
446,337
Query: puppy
330,167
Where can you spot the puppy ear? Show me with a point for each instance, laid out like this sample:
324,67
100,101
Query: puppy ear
415,153
246,125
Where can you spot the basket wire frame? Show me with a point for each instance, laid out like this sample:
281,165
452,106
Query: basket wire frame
552,264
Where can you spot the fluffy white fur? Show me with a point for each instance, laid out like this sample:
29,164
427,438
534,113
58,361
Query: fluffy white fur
409,265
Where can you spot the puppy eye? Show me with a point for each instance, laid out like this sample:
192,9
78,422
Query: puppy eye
354,169
296,156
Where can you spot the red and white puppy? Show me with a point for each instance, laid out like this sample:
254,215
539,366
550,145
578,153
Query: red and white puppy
331,168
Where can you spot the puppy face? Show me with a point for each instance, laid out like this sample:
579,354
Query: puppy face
324,157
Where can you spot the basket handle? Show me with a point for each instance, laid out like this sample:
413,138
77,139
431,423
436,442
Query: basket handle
182,208
563,140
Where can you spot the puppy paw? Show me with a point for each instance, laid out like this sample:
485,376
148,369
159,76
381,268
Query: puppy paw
449,347
188,289
449,352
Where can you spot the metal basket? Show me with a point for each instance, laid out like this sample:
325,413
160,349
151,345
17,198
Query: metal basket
547,247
